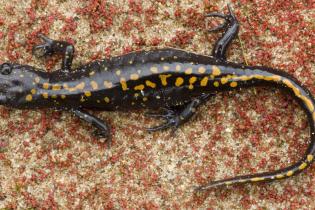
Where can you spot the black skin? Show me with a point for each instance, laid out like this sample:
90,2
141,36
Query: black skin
174,116
149,79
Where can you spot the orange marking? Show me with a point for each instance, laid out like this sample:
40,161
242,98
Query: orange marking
29,97
106,99
123,84
139,87
150,84
87,93
303,166
233,84
45,85
179,81
33,91
204,81
56,87
163,78
45,95
192,80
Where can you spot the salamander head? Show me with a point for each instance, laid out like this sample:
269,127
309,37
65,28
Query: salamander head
17,84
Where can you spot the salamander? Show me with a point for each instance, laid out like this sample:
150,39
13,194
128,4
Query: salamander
173,82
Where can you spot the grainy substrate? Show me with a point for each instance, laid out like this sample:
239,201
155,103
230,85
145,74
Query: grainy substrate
49,160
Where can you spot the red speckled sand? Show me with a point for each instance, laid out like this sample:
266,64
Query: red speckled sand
49,160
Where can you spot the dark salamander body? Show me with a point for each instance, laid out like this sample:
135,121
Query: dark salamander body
174,80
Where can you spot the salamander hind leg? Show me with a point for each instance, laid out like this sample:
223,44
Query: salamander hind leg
51,47
230,27
102,128
176,116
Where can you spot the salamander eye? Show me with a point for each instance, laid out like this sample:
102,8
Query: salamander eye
6,69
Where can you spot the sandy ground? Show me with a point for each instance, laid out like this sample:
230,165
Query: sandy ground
49,160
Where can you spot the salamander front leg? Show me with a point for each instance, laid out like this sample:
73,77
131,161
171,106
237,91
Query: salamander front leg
230,27
102,128
51,47
174,118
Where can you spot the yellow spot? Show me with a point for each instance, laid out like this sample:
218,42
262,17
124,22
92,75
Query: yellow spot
45,85
54,96
204,81
37,79
134,76
162,58
108,84
123,84
224,80
233,84
188,71
216,84
65,86
118,72
92,73
136,95
216,71
310,158
80,86
106,99
314,116
192,80
154,69
29,97
144,98
33,91
56,87
94,85
279,176
201,70
302,166
131,62
139,87
257,179
290,173
63,96
45,95
87,93
164,77
166,68
150,84
178,68
179,81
